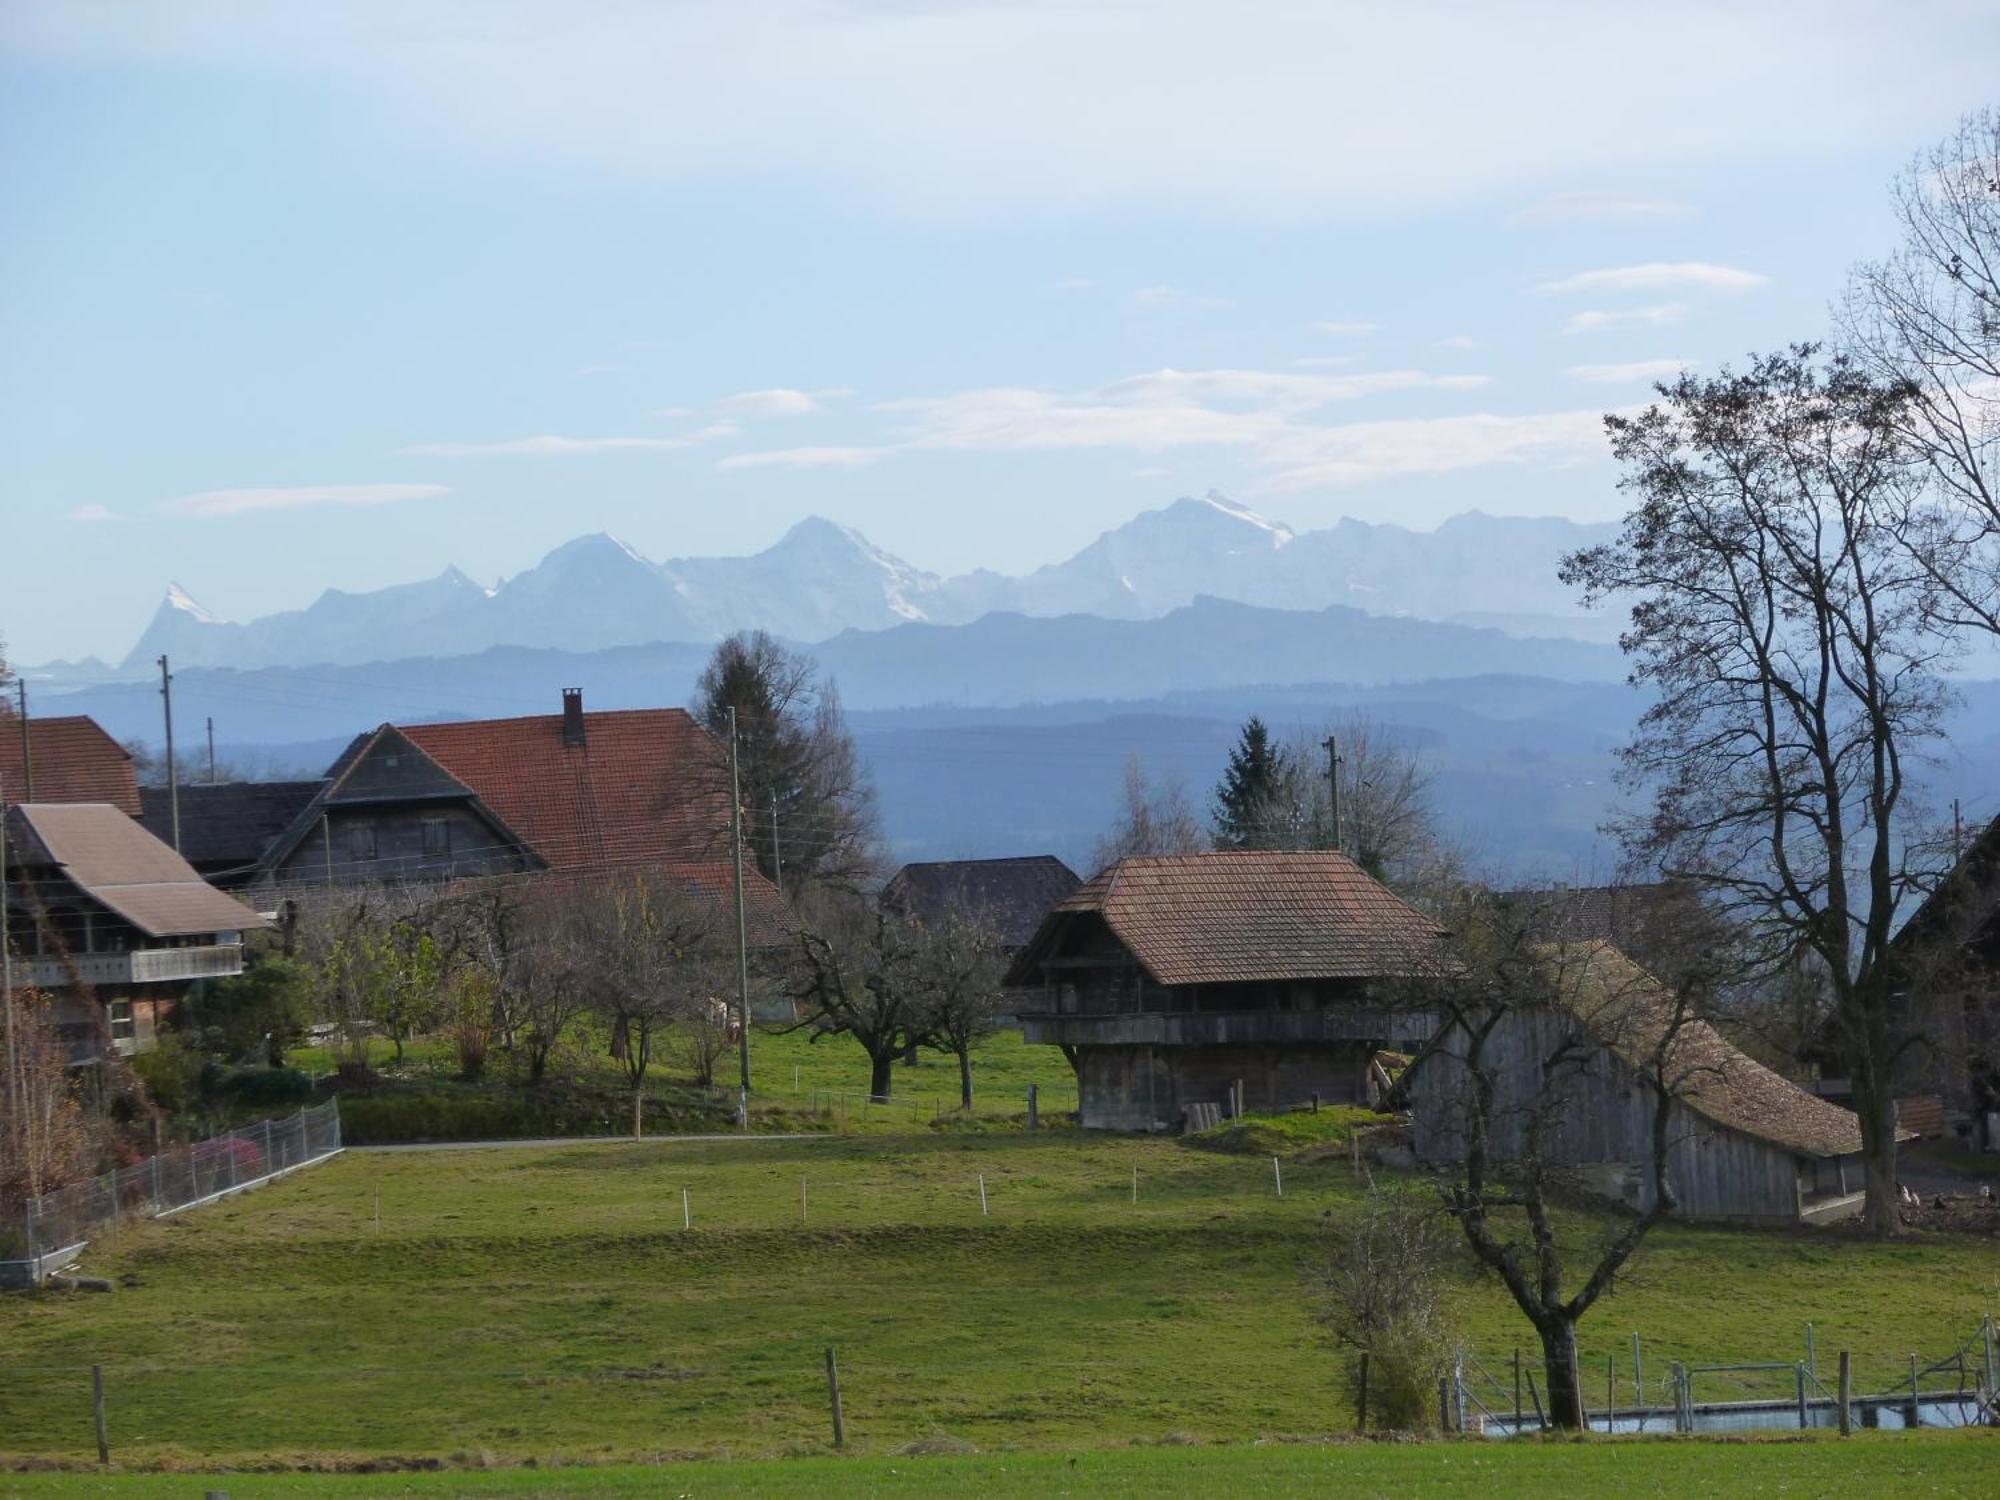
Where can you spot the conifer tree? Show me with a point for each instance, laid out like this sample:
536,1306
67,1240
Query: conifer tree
1251,796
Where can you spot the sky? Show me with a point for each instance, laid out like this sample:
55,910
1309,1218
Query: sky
299,297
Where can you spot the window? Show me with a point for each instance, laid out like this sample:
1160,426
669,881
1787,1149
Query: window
437,836
361,842
119,1012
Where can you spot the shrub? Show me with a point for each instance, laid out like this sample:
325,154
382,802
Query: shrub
265,1086
170,1073
1377,1283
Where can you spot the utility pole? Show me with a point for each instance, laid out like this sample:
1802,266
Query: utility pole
173,780
7,977
1957,829
27,747
211,751
777,858
1333,789
742,931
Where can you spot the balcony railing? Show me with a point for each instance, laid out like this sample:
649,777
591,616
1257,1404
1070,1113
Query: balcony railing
1336,1023
139,966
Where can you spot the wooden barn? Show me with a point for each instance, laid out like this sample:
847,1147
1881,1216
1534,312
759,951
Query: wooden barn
1008,896
1170,980
1745,1144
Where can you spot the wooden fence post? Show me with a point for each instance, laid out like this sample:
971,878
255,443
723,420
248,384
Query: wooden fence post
687,1219
1799,1373
1034,1109
1610,1392
1846,1392
982,1195
833,1395
1278,1175
1517,1391
1361,1403
97,1413
1444,1405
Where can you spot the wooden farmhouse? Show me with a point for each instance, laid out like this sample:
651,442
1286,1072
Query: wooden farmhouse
1745,1144
1171,980
112,923
572,794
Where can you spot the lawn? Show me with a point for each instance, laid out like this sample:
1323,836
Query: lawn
548,1304
797,1083
1936,1464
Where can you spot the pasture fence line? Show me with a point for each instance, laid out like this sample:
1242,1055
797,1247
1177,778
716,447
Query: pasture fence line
1958,1389
56,1225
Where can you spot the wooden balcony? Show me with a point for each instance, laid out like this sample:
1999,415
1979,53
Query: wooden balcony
1347,1023
138,966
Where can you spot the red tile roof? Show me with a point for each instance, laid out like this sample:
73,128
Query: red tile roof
1240,915
74,761
647,787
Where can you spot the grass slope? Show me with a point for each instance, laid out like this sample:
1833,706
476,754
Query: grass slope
548,1304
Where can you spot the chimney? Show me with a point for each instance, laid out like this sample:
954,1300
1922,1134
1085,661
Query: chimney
572,718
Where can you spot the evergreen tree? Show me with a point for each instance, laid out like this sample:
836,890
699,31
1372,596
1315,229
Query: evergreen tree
1252,795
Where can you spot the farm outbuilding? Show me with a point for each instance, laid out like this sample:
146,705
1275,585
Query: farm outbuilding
1744,1143
1172,980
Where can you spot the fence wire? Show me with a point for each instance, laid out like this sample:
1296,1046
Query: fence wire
179,1178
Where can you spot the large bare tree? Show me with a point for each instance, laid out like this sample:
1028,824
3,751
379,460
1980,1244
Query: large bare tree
1151,819
856,972
1927,317
1781,622
1525,1021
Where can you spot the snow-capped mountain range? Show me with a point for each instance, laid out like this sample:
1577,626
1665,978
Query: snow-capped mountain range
821,579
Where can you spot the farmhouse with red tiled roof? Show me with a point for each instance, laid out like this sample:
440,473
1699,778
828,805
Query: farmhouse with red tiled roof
1186,986
65,759
571,793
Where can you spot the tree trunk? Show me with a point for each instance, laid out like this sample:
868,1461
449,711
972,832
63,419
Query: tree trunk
1560,1374
879,1074
965,1079
1880,1211
638,1112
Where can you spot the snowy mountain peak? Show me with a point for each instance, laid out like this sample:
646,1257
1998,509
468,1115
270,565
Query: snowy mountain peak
180,600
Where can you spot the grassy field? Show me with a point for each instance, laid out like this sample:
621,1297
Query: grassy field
1942,1464
548,1304
797,1083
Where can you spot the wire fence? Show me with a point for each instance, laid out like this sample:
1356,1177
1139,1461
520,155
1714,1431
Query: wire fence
177,1179
1958,1389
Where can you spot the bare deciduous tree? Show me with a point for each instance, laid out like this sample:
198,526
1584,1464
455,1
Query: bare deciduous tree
957,969
1153,820
44,1138
1525,1024
855,973
1779,617
1927,318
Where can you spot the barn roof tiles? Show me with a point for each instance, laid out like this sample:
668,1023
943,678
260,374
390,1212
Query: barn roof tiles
1233,916
74,760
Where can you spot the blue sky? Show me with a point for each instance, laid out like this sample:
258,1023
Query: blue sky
298,297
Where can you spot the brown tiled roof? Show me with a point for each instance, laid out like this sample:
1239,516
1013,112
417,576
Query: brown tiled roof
74,761
643,789
1630,1011
1236,915
125,869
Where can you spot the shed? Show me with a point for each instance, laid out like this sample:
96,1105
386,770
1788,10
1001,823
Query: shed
1746,1144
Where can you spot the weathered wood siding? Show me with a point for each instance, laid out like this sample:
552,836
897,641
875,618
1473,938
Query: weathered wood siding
1145,1088
1601,1124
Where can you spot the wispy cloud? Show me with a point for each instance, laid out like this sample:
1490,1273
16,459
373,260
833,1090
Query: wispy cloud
550,445
1627,374
1344,330
1656,276
779,401
1358,452
1600,320
90,513
807,458
1173,296
210,503
1601,208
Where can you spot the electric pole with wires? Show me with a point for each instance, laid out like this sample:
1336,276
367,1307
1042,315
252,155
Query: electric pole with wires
742,930
173,779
